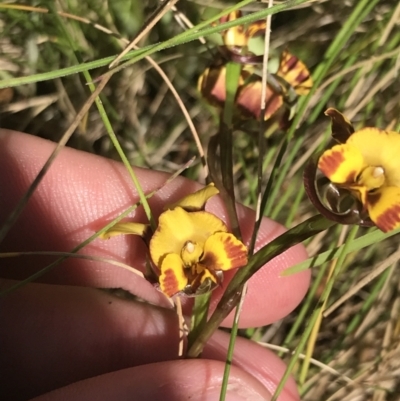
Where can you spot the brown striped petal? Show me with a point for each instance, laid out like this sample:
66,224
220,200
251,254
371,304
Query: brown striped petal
223,251
172,279
384,208
293,71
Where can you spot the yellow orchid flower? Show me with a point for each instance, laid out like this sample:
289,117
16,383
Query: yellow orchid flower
366,163
190,247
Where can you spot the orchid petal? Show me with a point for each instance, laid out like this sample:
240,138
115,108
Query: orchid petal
235,14
342,128
125,228
249,100
341,164
384,208
172,279
235,36
223,251
211,85
197,200
207,274
294,72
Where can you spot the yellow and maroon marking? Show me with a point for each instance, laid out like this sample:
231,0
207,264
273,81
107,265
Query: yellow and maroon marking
390,219
169,283
293,71
330,161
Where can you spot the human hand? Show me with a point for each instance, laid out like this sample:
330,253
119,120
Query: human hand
66,335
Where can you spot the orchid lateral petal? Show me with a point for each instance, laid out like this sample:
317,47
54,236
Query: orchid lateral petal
249,100
223,251
211,85
384,208
177,227
341,164
342,128
197,200
125,228
172,279
294,72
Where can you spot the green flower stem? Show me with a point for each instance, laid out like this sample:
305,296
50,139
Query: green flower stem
233,71
231,296
199,316
226,186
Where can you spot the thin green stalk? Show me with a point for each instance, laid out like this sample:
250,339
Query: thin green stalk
324,297
49,267
248,175
233,71
199,316
329,91
295,208
229,352
371,238
111,133
283,201
306,305
367,303
225,162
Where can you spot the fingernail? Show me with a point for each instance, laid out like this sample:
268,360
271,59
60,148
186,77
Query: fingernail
235,392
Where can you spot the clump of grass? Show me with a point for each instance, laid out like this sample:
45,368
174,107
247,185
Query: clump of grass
355,67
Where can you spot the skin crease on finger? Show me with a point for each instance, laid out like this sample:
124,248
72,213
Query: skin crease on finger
54,336
82,192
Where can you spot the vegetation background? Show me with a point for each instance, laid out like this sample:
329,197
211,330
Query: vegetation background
356,349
